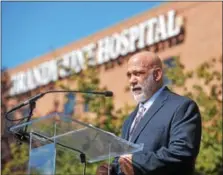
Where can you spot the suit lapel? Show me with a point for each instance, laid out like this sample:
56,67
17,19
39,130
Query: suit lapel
158,103
131,118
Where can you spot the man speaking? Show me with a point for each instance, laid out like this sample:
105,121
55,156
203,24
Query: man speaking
169,125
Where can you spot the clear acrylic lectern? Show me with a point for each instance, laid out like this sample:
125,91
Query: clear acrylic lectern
60,129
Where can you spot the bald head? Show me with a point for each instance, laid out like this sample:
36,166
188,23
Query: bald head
145,74
147,59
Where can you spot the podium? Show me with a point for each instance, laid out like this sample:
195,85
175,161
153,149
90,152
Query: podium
44,134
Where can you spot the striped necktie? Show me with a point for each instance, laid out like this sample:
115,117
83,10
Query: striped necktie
137,120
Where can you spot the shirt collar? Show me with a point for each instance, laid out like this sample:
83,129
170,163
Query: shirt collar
149,102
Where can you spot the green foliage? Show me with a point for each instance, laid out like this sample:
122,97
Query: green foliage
68,162
206,91
107,118
18,164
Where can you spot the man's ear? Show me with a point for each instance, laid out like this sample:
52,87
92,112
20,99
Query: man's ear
157,74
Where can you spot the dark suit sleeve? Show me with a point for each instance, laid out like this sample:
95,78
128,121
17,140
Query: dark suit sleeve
115,163
183,147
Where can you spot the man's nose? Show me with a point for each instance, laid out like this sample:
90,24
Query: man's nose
133,80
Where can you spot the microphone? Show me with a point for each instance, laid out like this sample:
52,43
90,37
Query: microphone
36,97
32,99
108,93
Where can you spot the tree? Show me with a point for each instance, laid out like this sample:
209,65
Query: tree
18,163
14,157
206,91
106,117
5,86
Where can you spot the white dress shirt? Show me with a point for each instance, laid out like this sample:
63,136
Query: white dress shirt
147,104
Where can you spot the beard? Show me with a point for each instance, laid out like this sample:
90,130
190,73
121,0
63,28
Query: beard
143,91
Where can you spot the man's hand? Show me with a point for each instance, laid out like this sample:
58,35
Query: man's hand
126,164
103,169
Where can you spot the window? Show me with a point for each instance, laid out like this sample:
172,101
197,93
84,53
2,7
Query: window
86,107
86,102
168,63
25,111
70,104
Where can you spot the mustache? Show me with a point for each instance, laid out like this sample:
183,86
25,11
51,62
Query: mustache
143,85
136,87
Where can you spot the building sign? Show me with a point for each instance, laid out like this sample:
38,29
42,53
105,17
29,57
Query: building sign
109,48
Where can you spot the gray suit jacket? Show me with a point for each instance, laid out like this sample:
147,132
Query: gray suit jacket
171,133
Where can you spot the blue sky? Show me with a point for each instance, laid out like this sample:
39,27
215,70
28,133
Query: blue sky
31,29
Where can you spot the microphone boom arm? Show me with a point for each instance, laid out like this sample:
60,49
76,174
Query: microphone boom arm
36,97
